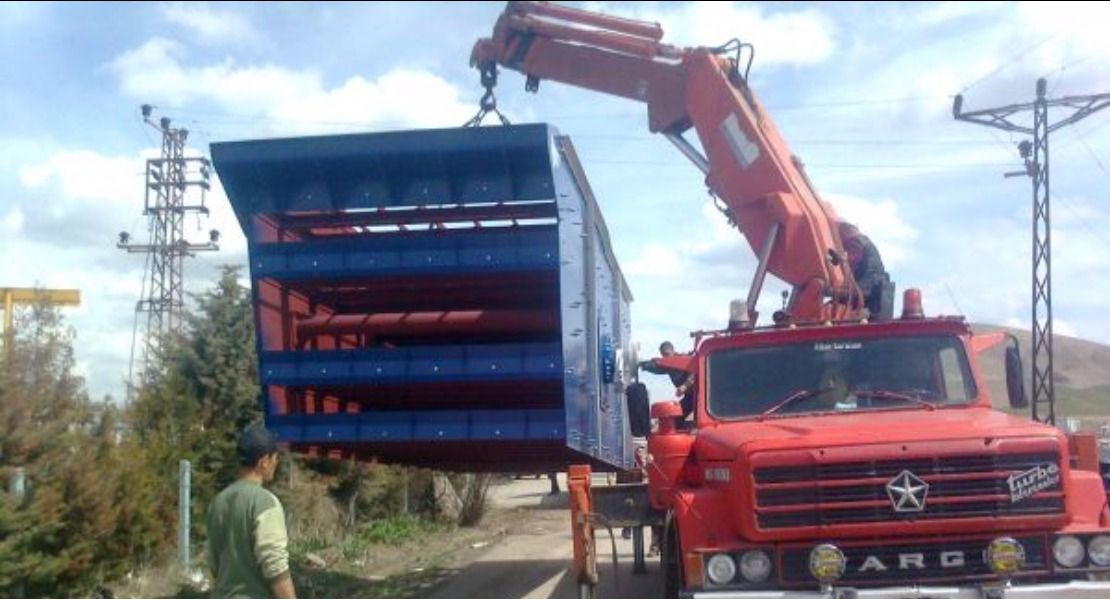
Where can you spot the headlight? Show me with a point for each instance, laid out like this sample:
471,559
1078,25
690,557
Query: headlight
1069,551
826,563
721,569
1099,550
755,566
1005,556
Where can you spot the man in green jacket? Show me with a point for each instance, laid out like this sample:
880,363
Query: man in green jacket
247,542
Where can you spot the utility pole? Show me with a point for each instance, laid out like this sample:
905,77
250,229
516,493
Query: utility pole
168,179
1035,155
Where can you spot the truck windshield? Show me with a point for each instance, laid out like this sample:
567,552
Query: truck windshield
838,376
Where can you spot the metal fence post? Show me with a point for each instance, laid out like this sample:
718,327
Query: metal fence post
183,514
17,485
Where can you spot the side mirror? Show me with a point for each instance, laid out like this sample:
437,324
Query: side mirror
639,409
1015,378
668,415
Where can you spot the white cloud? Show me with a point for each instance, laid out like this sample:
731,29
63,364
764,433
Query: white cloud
1062,327
656,260
85,175
12,222
944,12
288,100
211,26
880,221
781,37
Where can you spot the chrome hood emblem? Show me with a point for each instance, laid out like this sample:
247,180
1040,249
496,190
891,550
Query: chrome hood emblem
907,492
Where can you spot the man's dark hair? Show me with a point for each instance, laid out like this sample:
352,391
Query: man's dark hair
255,443
665,346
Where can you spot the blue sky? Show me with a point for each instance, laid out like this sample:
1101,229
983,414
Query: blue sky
861,91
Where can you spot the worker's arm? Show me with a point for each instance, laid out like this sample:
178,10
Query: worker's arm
283,586
651,367
271,550
685,387
211,546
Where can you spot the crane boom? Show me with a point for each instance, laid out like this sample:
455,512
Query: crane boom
747,163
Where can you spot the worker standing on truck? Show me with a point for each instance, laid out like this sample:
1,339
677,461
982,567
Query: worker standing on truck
867,265
683,381
247,542
684,388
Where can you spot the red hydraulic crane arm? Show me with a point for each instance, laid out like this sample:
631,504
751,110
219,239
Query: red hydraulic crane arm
747,163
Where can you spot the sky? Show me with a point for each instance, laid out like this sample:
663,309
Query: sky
862,92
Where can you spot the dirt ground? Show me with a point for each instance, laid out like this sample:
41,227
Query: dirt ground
531,559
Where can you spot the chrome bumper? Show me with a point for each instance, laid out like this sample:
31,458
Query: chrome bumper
1071,589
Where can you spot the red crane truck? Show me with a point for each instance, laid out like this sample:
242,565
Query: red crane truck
840,451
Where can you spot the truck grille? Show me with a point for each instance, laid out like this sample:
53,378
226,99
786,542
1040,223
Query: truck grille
921,561
856,492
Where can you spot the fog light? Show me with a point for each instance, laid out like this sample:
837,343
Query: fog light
1005,556
1069,551
826,563
755,566
721,569
1099,550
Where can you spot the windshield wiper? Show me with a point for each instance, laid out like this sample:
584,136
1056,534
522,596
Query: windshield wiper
792,398
896,396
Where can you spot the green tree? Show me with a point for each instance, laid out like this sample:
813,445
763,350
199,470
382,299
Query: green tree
205,391
60,539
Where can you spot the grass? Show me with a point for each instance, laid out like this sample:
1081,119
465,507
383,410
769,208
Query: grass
367,546
398,530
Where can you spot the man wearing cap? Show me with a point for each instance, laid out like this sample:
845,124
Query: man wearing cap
247,542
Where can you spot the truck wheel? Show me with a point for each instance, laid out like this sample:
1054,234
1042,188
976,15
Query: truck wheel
672,563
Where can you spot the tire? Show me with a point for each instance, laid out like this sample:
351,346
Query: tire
639,409
671,560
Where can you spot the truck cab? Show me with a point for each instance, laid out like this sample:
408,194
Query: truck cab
866,460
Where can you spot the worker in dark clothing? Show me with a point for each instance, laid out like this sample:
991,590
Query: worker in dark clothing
683,386
867,266
682,380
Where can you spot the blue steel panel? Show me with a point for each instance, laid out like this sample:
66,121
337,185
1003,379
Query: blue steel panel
455,166
429,363
427,426
498,425
546,425
529,248
493,360
437,362
288,428
444,166
331,428
389,365
387,426
445,425
594,306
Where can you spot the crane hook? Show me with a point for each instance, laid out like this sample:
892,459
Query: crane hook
488,102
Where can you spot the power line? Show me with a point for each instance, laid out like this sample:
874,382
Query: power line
818,165
1006,64
1037,168
165,205
910,142
1083,222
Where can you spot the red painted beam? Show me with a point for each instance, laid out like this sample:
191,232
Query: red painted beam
430,323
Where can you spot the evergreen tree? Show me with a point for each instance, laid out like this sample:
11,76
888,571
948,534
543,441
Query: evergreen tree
57,540
207,390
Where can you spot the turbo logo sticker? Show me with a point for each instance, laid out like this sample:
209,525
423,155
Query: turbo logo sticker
1027,483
